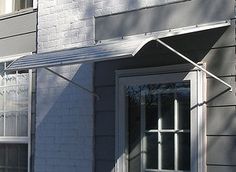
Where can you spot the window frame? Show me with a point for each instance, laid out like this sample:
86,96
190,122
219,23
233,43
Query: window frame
198,130
22,139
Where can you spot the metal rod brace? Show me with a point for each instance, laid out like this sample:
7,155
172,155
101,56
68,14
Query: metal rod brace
195,64
74,83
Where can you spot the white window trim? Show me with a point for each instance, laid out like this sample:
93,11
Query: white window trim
21,140
200,113
35,4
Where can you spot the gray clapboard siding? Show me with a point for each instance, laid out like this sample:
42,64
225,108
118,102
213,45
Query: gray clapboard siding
163,18
105,148
198,47
221,61
221,120
227,38
104,166
104,128
18,44
107,100
211,168
221,150
18,24
18,34
217,94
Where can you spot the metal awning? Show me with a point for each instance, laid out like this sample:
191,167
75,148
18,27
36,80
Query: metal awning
107,50
110,50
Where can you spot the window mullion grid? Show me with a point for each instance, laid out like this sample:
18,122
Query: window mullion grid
17,100
4,101
159,133
142,133
176,116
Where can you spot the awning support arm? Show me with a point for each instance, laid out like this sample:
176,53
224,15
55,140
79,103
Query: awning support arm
74,83
195,64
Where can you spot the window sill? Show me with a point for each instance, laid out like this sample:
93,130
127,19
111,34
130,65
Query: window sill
17,13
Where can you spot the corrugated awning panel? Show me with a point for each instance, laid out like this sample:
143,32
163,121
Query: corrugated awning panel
115,49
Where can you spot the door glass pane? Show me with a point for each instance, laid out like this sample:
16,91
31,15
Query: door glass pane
183,98
184,151
167,151
153,109
133,108
152,150
151,104
167,110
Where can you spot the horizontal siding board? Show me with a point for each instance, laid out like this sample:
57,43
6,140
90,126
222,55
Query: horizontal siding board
221,61
217,93
105,148
104,166
18,24
18,44
211,168
227,38
221,150
105,71
106,101
163,18
105,123
221,121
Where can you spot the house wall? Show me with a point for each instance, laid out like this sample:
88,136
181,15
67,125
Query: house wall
220,110
219,55
162,18
18,33
71,134
64,112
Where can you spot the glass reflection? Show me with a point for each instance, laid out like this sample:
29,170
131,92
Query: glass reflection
152,113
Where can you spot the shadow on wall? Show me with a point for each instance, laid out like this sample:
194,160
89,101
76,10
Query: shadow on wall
188,13
196,46
221,135
64,128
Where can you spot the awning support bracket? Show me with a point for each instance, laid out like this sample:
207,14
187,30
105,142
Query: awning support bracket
195,64
74,83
